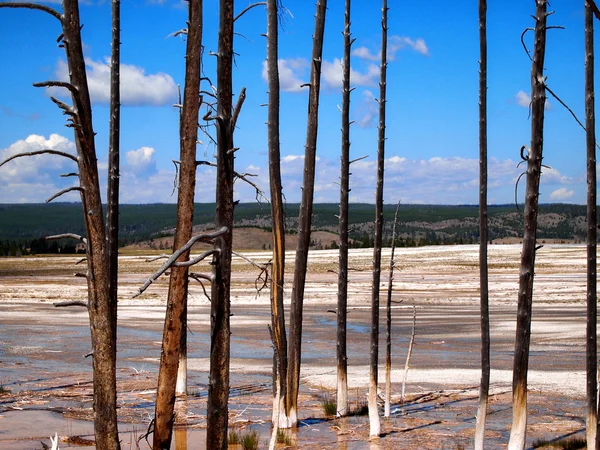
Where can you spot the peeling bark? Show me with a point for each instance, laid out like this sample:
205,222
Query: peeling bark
175,323
526,275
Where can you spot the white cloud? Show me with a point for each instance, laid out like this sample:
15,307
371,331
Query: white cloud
561,194
36,178
290,73
395,44
141,160
137,88
524,99
332,74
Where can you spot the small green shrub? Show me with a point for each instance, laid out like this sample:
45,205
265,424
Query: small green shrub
233,438
329,406
249,440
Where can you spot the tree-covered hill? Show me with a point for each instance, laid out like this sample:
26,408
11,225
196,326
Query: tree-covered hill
418,224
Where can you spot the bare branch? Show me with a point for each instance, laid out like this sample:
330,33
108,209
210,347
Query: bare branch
71,174
254,263
568,109
64,191
199,277
177,33
156,258
47,9
516,186
248,8
70,303
67,236
238,108
207,237
62,84
39,152
358,159
68,110
523,41
197,259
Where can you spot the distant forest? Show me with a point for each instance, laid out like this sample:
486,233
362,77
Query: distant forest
23,226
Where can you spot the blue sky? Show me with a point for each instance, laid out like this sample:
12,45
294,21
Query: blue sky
432,115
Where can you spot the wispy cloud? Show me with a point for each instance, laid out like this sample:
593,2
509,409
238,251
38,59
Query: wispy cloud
524,99
141,160
291,72
395,44
137,87
562,194
367,110
332,74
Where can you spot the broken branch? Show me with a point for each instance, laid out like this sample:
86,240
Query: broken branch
39,152
64,191
198,238
47,9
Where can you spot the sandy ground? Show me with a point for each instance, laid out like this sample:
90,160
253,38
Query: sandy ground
48,380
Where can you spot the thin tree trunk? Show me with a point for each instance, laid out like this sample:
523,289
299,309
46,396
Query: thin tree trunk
342,305
534,163
374,420
592,297
218,381
304,221
388,328
484,387
277,214
178,282
408,355
112,216
99,302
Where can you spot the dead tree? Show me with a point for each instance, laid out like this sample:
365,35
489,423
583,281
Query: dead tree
175,323
342,303
526,275
304,221
218,381
374,420
102,323
388,327
112,213
484,387
592,296
277,215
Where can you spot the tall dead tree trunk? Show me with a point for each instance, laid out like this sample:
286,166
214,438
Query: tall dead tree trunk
178,282
526,275
374,420
592,296
218,381
484,387
304,222
100,308
112,215
388,325
277,215
342,303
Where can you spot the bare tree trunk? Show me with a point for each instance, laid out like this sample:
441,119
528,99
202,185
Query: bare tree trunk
411,344
112,216
592,296
484,387
277,215
374,420
388,328
218,381
178,282
534,163
342,304
304,221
